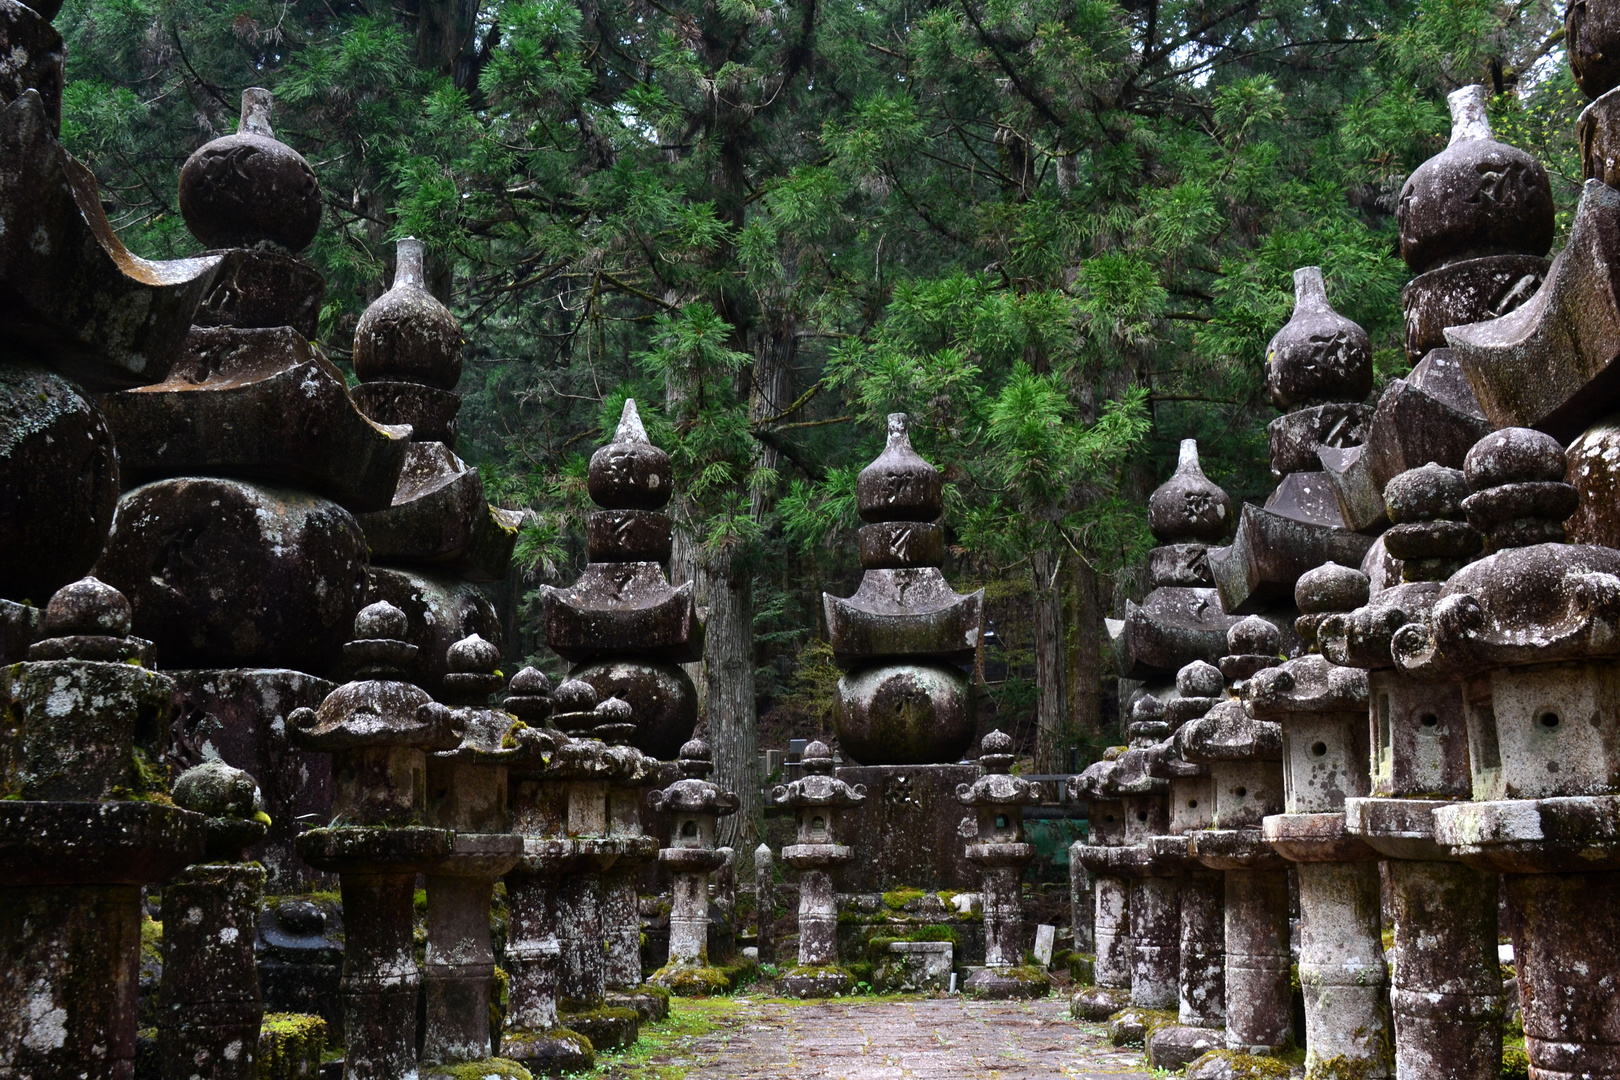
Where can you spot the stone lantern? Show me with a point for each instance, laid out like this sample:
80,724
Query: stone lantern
818,800
1245,760
1322,710
1155,878
1530,633
75,846
467,794
1445,983
1105,832
998,799
379,731
694,806
210,1006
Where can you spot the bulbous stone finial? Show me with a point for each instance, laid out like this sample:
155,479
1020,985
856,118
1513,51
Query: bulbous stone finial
1199,679
694,759
1429,493
529,696
1319,356
247,188
88,606
996,752
473,655
1477,197
899,485
1147,708
380,621
630,473
613,711
217,790
817,758
574,696
1189,506
1253,636
1519,495
1331,587
406,335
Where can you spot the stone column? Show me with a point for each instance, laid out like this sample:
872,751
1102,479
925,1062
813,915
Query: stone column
765,903
1105,826
1082,904
210,1007
633,773
1202,988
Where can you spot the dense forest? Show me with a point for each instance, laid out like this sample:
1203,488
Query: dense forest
1058,233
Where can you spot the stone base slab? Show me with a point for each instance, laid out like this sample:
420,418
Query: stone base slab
1397,828
1006,984
1175,1046
1234,849
1573,834
1320,838
549,1053
607,1028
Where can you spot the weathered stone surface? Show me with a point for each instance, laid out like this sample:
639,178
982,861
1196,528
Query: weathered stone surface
630,473
210,1005
439,518
293,566
1322,709
1270,552
1319,356
1549,364
406,334
627,536
439,612
1468,291
1259,1007
898,485
1180,566
257,403
58,482
72,728
1201,975
1175,1046
910,827
241,189
1296,437
661,696
904,613
623,609
1189,506
241,716
1594,471
257,288
70,294
1592,37
1475,198
430,413
904,714
1342,970
893,545
34,56
1599,140
1171,627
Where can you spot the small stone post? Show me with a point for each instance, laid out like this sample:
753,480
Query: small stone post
1322,709
1155,876
765,903
633,772
467,794
210,1007
818,800
694,805
379,730
999,799
1105,830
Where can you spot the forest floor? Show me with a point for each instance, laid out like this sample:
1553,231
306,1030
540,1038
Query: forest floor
871,1038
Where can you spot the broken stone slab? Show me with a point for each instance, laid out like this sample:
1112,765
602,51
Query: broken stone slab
1550,364
439,517
58,482
623,609
292,564
71,295
1469,291
1296,437
1270,552
259,289
904,613
262,404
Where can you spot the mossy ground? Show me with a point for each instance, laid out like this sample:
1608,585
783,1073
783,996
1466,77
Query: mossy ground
649,1057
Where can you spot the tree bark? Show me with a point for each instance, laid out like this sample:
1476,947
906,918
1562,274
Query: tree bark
1085,649
1051,719
728,662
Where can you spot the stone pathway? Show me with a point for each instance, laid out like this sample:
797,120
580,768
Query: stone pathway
945,1038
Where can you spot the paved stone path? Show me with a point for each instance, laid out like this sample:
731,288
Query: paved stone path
945,1038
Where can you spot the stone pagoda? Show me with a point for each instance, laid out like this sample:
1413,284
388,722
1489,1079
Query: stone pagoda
379,730
235,539
625,628
999,850
437,540
905,705
694,806
819,802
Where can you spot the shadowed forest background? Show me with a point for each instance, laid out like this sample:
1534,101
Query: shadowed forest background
1058,233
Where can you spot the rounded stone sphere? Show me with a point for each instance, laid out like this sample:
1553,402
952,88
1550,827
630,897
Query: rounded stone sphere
1318,356
406,335
473,654
1428,493
88,607
1253,636
1514,456
58,482
1331,587
439,611
1200,679
242,189
226,573
904,714
663,702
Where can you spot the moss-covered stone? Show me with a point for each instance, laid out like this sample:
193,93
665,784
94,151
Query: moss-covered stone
488,1069
897,899
1133,1026
291,1046
1515,1064
1231,1065
817,981
608,1027
691,981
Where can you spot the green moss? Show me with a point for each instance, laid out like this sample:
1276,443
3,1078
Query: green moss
480,1070
691,981
899,898
1343,1068
1515,1065
1247,1066
151,939
291,1046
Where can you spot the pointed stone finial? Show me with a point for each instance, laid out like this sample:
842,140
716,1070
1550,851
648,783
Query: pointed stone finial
630,473
1469,120
899,485
1319,356
249,188
1189,506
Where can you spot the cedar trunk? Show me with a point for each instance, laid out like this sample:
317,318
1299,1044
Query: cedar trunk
1085,650
1051,718
728,664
